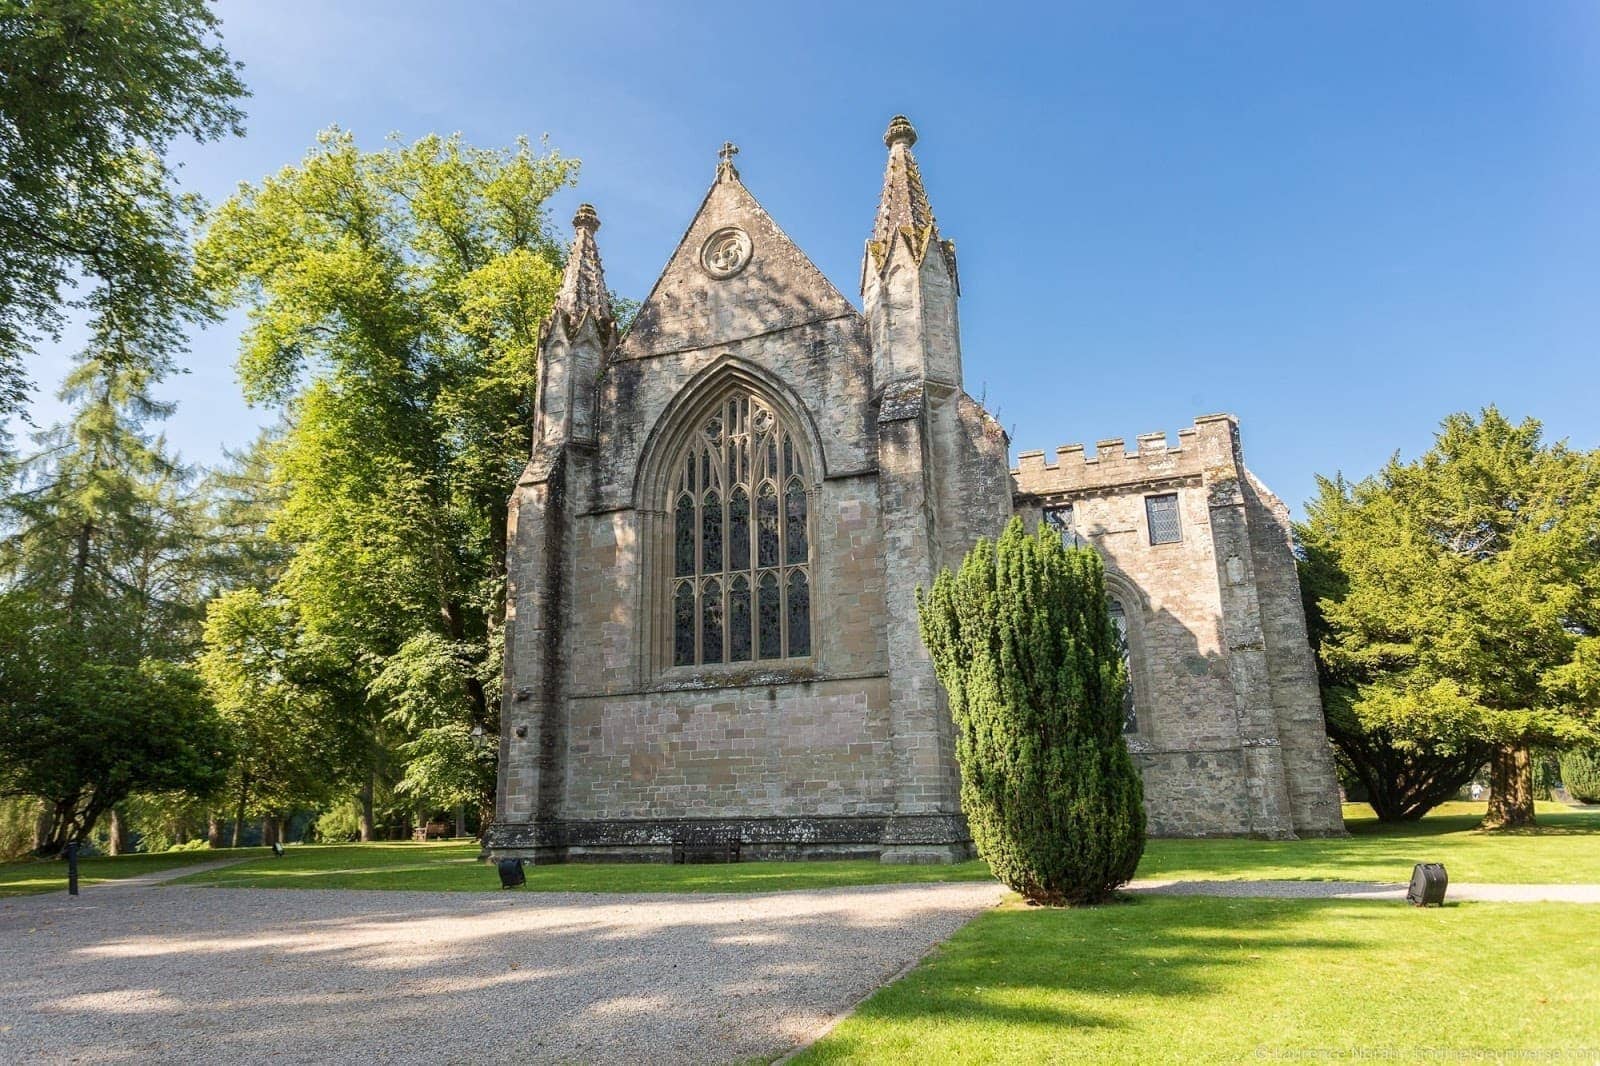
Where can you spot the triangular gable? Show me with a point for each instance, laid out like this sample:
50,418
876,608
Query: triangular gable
778,287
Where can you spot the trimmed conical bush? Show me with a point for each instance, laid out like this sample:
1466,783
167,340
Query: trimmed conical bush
1023,644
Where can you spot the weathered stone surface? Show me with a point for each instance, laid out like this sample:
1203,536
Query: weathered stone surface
609,747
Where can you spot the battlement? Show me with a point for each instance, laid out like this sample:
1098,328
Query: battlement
1155,457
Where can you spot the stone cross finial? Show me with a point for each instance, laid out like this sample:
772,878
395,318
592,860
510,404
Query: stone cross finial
725,157
586,218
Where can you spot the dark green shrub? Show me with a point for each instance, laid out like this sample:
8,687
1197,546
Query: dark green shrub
1580,773
1023,644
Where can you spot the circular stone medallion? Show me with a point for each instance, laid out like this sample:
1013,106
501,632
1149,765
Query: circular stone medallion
725,252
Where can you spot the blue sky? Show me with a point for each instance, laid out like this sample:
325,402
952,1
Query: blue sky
1338,221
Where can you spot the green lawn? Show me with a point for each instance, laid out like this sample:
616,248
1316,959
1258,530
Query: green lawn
451,867
1564,848
1208,980
33,876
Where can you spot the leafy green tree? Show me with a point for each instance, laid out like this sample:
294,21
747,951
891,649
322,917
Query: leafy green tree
1470,613
1403,778
1580,774
1024,645
278,691
395,299
92,93
86,734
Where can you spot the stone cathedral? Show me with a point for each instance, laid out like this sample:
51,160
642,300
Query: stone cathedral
714,547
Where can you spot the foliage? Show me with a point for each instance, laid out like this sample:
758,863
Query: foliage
1468,614
286,700
92,92
85,734
18,817
1402,779
1024,646
100,594
1580,774
395,299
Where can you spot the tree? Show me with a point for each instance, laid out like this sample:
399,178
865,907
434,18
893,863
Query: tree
395,300
1470,613
1024,645
92,93
1402,778
278,692
1580,774
84,734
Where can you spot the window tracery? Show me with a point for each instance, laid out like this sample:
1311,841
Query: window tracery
741,539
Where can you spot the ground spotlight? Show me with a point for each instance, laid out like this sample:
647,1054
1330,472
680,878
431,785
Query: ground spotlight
511,874
277,850
1428,882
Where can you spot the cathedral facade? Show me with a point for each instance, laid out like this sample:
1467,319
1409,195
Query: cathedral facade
714,550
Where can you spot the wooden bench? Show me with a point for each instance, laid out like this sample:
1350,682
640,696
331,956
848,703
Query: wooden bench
705,845
433,831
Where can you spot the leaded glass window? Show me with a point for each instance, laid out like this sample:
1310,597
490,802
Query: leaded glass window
1060,519
741,540
1130,713
1161,513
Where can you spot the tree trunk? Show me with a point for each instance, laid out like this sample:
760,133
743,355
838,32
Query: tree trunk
461,820
269,831
1510,788
213,830
117,837
366,806
238,815
44,827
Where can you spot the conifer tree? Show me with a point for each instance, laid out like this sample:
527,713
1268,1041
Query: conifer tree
1023,643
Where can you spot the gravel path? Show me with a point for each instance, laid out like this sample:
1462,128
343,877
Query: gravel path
199,974
1369,890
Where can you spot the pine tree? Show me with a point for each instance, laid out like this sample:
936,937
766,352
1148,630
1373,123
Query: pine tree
1025,648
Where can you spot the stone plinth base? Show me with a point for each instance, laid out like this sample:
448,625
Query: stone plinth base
919,838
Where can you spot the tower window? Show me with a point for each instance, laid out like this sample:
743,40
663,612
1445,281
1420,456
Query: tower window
1130,713
1161,513
741,541
1060,519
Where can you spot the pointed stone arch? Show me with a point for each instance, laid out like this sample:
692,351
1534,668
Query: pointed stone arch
726,489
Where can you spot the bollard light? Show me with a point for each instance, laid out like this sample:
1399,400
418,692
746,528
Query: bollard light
71,852
1428,882
511,874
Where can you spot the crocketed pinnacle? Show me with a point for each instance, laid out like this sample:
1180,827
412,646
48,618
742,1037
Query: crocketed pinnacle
904,206
583,284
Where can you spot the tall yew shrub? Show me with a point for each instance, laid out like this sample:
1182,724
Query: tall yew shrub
1024,646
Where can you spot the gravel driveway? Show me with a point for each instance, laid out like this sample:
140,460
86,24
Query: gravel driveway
197,974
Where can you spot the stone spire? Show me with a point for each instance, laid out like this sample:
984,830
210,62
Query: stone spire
903,208
908,297
583,294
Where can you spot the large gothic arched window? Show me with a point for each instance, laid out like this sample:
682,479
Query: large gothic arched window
741,539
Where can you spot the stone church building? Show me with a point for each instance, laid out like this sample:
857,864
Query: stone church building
714,547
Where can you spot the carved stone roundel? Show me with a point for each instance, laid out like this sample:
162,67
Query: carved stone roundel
725,252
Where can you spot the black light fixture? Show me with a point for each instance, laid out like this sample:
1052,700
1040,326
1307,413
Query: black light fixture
511,874
1428,882
277,849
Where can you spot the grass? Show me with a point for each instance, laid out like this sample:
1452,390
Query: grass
452,867
1209,980
1564,848
33,876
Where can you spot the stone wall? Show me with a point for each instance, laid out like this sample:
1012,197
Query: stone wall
1229,737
